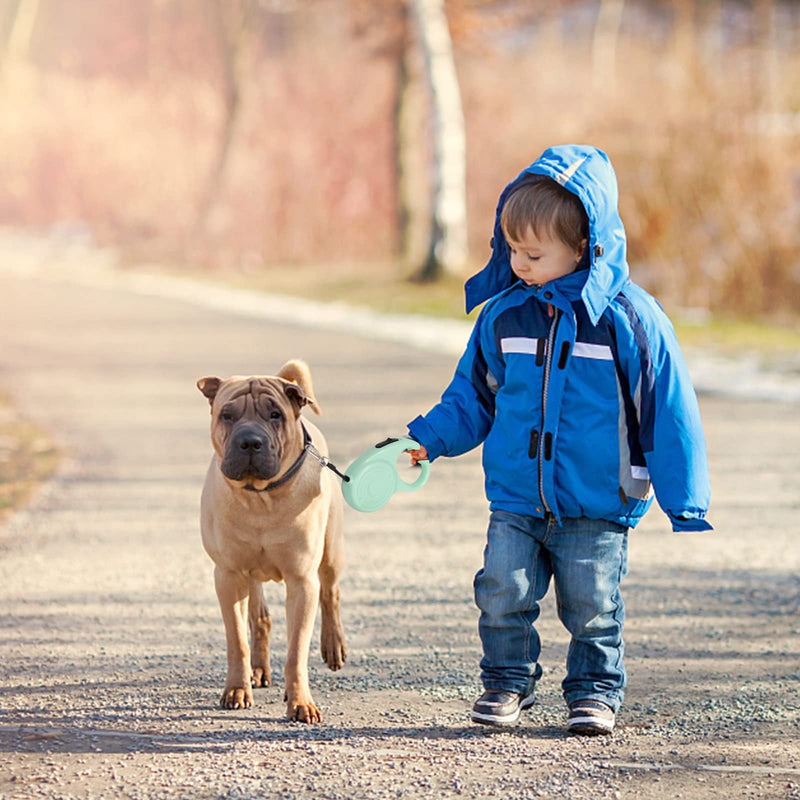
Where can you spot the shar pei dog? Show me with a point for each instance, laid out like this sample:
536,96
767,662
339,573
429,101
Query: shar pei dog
269,512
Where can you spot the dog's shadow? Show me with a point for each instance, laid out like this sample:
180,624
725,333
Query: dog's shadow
64,737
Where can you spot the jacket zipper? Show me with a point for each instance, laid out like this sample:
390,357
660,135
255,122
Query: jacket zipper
545,440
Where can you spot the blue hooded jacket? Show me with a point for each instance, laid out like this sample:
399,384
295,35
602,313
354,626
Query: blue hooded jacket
577,388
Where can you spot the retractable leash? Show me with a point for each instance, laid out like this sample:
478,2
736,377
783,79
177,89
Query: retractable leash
371,480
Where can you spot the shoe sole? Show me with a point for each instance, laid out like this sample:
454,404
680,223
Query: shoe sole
589,727
509,719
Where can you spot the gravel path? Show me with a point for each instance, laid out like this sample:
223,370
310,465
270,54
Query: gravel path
112,648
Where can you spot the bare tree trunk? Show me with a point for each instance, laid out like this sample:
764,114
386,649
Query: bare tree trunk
401,131
711,24
230,28
20,30
604,45
767,101
684,38
448,243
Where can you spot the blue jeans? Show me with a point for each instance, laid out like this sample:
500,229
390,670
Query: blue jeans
587,560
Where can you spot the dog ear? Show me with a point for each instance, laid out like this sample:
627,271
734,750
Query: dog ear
209,387
296,394
297,373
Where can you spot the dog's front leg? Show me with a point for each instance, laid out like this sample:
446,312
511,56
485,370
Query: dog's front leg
301,608
332,641
260,627
232,593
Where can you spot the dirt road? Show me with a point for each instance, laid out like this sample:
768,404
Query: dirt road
112,648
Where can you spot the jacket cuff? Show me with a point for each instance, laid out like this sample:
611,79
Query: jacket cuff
421,432
689,522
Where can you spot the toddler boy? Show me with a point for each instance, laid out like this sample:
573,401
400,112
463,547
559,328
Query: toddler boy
574,382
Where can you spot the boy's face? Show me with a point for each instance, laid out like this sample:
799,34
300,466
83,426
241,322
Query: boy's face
539,259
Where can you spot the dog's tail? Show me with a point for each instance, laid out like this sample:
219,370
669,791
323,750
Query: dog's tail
297,371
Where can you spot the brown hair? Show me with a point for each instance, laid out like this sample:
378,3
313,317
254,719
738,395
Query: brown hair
545,207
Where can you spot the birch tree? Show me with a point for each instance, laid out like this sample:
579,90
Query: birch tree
447,250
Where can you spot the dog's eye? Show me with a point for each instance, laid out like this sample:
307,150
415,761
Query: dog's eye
226,416
275,415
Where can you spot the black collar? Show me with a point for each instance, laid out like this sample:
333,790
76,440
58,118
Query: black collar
291,472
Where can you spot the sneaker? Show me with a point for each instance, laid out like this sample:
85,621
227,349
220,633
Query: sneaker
590,718
500,708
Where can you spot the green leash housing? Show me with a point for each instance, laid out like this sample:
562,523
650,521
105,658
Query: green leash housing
372,479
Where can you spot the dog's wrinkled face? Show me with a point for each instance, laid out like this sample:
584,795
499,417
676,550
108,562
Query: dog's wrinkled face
253,424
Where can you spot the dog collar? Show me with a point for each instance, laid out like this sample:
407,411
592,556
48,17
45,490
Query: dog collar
292,471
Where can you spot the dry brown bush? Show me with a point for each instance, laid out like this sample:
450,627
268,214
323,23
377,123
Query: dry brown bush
709,182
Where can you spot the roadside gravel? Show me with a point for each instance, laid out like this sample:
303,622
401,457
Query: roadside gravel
113,649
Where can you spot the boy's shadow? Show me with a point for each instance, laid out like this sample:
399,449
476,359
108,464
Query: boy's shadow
421,732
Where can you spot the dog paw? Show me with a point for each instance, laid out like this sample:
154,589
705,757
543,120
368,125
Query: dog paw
236,698
334,652
260,677
304,712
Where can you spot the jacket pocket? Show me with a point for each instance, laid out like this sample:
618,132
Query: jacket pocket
533,446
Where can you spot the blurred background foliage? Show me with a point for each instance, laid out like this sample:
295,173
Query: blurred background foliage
244,136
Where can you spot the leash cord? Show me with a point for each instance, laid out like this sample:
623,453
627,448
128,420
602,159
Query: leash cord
325,463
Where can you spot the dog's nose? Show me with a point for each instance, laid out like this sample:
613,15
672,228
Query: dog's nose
251,443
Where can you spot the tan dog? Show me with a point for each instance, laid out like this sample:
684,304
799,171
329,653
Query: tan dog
270,512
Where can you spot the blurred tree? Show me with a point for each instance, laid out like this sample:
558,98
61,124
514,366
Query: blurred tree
684,49
232,23
386,24
604,46
401,26
447,249
470,21
408,32
767,98
399,126
19,24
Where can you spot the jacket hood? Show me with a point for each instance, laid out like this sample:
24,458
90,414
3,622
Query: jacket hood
586,172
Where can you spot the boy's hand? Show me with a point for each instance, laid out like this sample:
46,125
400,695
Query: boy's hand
418,455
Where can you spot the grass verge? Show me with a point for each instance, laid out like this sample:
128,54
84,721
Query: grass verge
389,290
382,288
27,457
